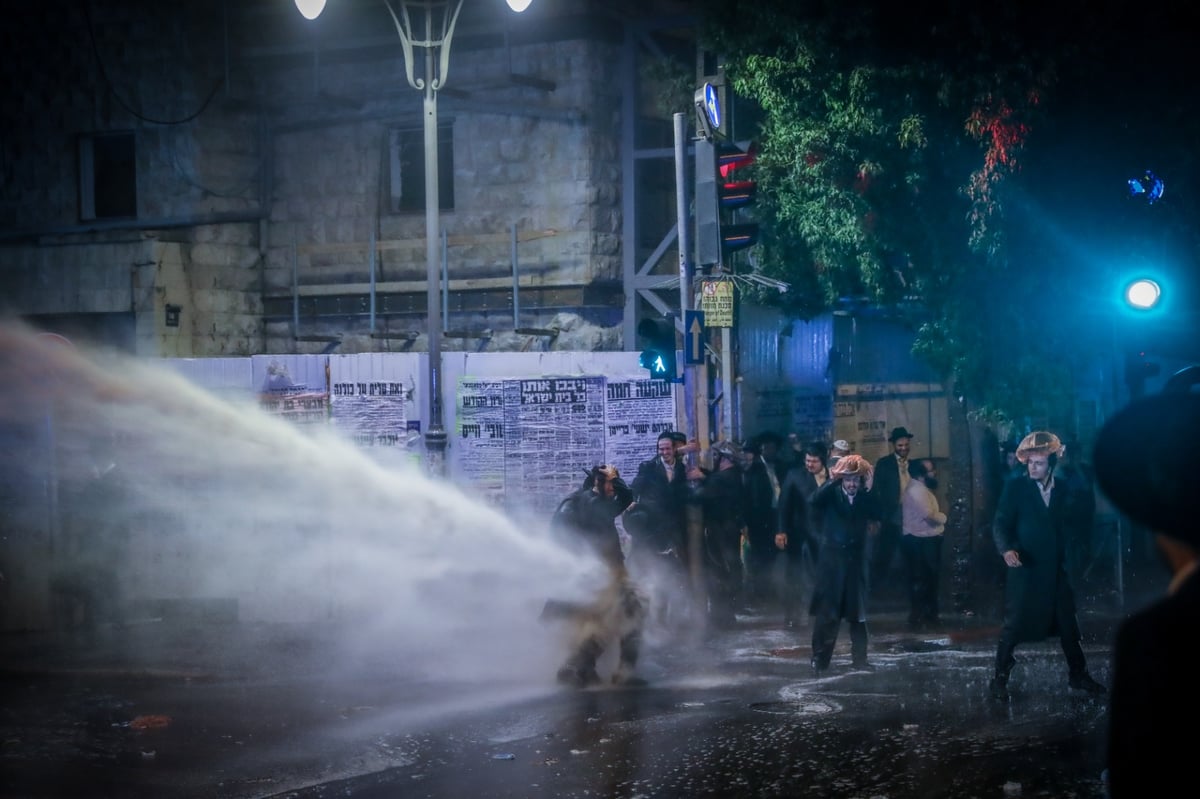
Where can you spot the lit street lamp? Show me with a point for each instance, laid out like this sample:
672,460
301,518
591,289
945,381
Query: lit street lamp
440,18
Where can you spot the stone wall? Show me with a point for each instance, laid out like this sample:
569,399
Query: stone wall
263,168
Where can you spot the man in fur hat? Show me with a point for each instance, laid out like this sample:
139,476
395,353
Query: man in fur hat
1033,529
1157,648
845,511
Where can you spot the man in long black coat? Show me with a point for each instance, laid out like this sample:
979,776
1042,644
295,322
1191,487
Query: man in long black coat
1033,528
797,536
762,522
658,531
721,494
846,514
1157,648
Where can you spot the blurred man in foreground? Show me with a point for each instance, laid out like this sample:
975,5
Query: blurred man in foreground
1157,649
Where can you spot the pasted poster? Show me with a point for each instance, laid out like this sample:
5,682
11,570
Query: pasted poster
479,436
293,387
636,411
525,443
370,398
554,434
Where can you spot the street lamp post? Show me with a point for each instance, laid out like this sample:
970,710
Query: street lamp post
440,18
437,62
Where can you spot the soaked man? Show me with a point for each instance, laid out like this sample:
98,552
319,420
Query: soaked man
1034,526
846,514
620,609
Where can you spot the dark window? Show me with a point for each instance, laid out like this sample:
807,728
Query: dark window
406,169
107,176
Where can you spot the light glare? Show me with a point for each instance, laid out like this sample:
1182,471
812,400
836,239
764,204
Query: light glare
1143,293
310,9
519,5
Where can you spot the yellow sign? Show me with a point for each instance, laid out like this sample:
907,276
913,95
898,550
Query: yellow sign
716,300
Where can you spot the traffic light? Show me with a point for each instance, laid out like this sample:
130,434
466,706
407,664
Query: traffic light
722,188
1137,370
658,353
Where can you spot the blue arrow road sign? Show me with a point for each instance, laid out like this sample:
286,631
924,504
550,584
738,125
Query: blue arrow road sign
693,337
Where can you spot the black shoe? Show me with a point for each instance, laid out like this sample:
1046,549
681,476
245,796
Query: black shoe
1084,682
817,669
862,665
998,689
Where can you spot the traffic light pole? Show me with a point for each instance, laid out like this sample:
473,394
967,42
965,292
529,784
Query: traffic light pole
695,382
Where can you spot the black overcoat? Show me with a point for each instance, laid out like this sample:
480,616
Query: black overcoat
1154,697
657,521
1039,599
794,512
841,586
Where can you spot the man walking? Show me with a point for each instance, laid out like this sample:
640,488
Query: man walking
1033,528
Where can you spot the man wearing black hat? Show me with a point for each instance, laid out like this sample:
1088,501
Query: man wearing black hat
891,478
1157,651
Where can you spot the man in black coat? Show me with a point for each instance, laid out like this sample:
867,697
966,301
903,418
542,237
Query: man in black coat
1157,648
655,519
658,530
619,610
847,514
721,494
1034,525
890,480
762,522
797,537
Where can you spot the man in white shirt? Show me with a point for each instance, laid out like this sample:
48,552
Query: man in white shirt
921,544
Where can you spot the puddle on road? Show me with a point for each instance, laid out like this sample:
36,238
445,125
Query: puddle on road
806,706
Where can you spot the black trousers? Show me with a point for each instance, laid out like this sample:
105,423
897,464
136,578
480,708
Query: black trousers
923,559
799,573
883,553
824,639
1076,662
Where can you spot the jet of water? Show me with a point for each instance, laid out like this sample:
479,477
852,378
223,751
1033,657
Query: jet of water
207,498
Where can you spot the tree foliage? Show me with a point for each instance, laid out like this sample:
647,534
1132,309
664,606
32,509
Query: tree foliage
894,165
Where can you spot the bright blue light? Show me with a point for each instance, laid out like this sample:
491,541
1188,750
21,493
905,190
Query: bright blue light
1143,294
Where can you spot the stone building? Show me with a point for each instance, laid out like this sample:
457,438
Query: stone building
197,179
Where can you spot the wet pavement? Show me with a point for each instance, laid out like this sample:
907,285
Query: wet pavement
236,710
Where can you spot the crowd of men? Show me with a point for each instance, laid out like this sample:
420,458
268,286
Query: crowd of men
810,531
791,528
835,522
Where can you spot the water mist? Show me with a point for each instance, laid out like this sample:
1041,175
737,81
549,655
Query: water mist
299,527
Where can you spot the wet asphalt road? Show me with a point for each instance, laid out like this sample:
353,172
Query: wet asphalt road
753,722
738,714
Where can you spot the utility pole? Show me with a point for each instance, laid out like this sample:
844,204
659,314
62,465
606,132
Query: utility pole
695,380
